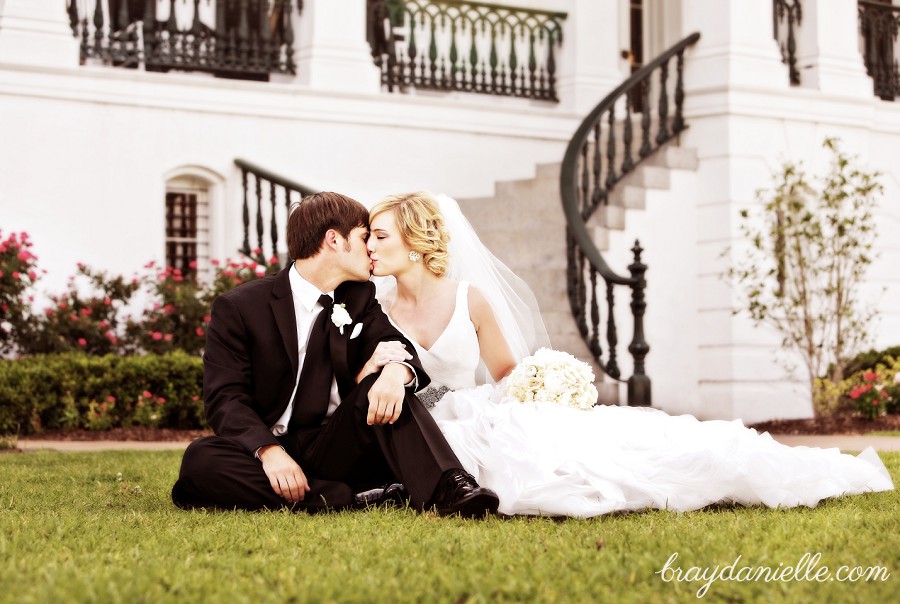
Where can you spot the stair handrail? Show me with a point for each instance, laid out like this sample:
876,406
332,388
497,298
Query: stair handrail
580,205
274,180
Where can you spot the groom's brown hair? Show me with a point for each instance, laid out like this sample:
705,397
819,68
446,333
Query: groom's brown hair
311,218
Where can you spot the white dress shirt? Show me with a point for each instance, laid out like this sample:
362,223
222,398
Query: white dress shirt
307,309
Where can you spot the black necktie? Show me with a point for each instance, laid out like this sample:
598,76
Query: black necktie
314,390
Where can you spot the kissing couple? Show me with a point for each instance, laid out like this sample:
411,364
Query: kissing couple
326,392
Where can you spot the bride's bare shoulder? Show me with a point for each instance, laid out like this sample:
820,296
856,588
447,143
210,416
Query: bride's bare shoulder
479,307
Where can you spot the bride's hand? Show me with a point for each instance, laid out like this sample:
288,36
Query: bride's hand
386,395
385,352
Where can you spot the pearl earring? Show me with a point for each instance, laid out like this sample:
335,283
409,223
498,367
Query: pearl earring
414,256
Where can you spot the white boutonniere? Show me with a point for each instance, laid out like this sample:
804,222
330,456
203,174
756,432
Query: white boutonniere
340,317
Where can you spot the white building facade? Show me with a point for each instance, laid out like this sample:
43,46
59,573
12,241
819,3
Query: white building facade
114,160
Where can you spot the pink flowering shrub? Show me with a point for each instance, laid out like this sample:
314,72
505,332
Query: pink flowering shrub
18,273
79,321
178,317
870,396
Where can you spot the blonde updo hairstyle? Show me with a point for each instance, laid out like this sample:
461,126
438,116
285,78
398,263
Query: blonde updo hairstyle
421,226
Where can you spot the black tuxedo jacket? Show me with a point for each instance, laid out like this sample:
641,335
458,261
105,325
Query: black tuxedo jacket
251,361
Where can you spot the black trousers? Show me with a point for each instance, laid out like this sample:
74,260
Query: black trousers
338,458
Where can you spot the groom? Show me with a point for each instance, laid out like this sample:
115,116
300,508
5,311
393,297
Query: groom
292,425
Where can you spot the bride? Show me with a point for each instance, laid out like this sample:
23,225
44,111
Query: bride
470,320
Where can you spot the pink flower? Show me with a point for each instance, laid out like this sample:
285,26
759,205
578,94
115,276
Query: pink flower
73,316
80,265
1,274
168,308
31,275
257,251
192,264
168,337
214,262
156,335
24,256
82,342
110,399
200,332
194,398
150,264
870,376
147,394
104,324
86,312
160,401
273,260
107,301
15,274
207,319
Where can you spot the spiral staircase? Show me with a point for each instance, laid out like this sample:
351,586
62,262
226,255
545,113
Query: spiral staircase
605,190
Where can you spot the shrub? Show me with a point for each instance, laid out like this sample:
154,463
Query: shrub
18,272
75,390
85,318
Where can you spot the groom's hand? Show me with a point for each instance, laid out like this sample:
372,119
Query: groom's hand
285,476
386,394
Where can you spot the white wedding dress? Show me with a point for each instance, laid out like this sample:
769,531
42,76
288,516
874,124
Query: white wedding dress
546,459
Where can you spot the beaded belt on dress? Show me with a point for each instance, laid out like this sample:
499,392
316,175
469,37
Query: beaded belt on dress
431,395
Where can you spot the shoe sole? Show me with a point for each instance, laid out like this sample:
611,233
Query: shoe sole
475,505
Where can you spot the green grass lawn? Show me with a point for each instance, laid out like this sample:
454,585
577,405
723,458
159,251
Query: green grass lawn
99,527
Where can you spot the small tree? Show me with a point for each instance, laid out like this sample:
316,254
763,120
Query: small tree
809,252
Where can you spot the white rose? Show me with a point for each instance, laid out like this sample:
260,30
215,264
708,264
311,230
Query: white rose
340,317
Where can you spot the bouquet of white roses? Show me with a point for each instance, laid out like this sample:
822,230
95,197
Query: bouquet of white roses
553,376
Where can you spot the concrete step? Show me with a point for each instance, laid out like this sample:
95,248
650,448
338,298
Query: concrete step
526,249
633,197
674,158
551,171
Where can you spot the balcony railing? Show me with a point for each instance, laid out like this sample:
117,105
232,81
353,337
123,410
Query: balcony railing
788,14
450,45
878,27
267,201
247,39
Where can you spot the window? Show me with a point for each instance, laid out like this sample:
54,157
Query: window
187,226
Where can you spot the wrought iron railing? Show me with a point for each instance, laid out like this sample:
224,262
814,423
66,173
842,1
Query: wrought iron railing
465,46
878,26
788,14
267,200
586,182
247,39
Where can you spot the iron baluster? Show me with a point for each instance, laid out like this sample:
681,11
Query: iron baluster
273,223
259,217
598,195
638,383
663,134
585,180
678,122
595,316
612,338
627,161
611,150
245,247
645,117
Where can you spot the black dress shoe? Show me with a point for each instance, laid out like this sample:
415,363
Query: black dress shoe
392,495
458,493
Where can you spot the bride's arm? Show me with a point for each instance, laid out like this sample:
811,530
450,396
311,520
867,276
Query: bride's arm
495,351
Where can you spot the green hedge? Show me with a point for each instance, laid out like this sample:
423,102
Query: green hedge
74,390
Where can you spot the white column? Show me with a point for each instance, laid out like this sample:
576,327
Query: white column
590,63
828,54
737,46
36,32
331,49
